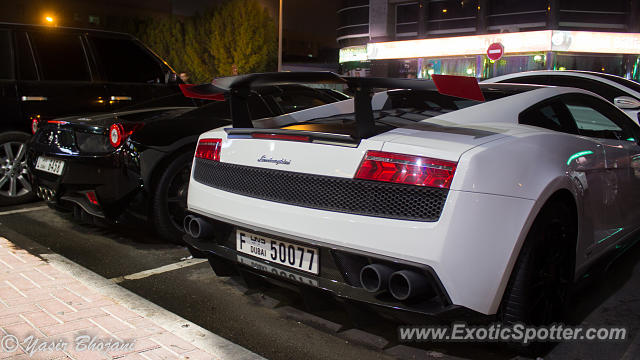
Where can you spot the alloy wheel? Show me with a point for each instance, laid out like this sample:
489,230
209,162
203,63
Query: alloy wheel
177,196
14,173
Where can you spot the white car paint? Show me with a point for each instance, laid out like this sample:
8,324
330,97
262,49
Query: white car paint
506,172
633,113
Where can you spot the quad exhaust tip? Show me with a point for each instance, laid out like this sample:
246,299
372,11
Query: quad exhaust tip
403,284
186,222
407,284
45,194
375,277
197,228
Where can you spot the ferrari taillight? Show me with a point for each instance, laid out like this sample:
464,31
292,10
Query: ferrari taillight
209,149
34,124
118,133
406,169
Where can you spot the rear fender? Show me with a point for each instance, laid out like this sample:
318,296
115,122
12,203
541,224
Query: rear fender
561,183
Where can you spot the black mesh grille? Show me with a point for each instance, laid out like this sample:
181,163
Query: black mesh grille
371,198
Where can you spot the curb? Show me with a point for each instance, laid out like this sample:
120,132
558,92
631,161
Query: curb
199,337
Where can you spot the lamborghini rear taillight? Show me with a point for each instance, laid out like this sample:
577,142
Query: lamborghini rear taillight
406,169
209,149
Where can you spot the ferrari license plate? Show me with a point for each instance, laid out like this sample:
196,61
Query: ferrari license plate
282,253
50,165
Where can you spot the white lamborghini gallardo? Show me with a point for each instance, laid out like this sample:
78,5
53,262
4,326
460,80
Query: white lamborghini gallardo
431,198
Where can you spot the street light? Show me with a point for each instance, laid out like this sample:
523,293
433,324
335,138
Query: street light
49,20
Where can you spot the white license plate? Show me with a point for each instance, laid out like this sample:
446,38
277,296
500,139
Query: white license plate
50,165
279,252
282,273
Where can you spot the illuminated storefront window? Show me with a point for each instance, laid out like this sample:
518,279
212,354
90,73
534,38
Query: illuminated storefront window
613,53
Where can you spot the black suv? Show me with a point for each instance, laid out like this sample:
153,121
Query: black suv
47,72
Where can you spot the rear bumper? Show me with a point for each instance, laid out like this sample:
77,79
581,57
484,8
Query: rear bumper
472,247
114,184
338,276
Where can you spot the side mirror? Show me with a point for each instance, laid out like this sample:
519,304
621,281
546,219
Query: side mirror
626,102
171,78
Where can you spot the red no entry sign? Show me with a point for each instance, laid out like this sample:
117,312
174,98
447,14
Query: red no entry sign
495,51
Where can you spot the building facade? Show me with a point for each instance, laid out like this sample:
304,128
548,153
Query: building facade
409,38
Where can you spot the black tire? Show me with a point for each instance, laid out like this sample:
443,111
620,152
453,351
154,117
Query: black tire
15,177
539,287
169,202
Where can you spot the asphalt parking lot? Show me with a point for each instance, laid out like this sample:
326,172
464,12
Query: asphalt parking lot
275,322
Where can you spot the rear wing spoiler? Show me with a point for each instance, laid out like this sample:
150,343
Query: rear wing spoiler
238,88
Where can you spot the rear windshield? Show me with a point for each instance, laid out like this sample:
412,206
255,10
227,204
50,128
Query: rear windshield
403,108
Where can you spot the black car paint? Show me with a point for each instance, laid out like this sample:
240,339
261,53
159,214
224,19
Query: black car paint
65,97
124,178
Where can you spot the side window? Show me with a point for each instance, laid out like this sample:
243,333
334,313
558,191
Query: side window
548,115
590,120
124,60
222,109
536,80
595,118
290,101
60,56
606,91
6,55
26,64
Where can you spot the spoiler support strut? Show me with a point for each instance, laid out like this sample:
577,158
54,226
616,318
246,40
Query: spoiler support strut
239,105
365,125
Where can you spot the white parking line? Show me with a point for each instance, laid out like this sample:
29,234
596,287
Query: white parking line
23,210
159,270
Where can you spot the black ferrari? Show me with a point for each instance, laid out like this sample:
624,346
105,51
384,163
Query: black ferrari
136,163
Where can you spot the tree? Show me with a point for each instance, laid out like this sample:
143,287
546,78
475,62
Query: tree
242,35
165,36
197,57
208,45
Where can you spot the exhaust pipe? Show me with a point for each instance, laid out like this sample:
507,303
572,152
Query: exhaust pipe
199,228
45,193
406,284
375,277
185,224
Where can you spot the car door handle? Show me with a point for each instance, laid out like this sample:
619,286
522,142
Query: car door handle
34,98
121,98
